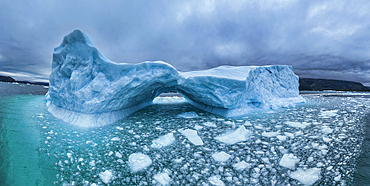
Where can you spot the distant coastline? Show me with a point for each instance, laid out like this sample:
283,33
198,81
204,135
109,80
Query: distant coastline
12,80
305,84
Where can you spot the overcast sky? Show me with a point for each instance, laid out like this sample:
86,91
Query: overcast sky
320,39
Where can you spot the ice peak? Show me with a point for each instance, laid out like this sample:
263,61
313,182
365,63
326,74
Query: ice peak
76,36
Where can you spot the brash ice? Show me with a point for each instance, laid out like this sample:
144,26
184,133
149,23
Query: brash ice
87,89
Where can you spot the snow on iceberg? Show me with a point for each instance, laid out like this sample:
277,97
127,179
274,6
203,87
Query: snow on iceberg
87,89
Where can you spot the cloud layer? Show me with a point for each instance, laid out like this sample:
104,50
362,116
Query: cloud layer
320,39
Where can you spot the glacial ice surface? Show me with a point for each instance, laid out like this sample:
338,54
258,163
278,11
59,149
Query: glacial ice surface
87,89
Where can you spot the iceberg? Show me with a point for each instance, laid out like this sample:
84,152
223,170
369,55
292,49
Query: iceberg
89,90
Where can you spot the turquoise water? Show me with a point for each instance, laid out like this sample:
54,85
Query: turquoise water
38,149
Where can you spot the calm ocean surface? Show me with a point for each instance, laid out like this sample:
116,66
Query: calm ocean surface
329,133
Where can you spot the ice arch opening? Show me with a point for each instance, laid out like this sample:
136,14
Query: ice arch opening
87,89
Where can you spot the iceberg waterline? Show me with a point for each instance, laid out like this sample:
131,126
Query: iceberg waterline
87,89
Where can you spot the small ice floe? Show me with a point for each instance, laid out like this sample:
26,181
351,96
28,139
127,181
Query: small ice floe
221,156
241,166
270,134
215,180
239,135
289,161
192,136
229,123
162,178
325,139
209,124
106,176
326,130
306,177
139,162
115,139
328,113
198,127
188,115
163,141
118,155
296,124
281,138
119,128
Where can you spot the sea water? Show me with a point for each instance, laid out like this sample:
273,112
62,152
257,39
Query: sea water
171,142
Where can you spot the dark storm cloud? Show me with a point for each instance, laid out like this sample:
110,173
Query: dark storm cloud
320,39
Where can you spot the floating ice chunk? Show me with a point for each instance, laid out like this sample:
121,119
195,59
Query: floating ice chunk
239,135
325,139
118,155
115,139
295,124
328,113
281,138
221,156
288,134
106,176
138,162
306,177
198,127
215,180
326,130
209,124
192,136
270,134
289,161
163,141
229,123
188,115
162,178
241,166
337,178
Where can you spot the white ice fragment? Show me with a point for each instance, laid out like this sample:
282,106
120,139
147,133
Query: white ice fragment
229,123
239,135
110,153
337,178
188,115
328,113
221,156
241,166
281,138
288,134
138,162
119,128
209,124
289,161
163,141
326,130
325,139
198,127
248,124
106,176
118,155
306,177
310,159
215,180
115,139
270,134
69,155
162,178
192,136
295,124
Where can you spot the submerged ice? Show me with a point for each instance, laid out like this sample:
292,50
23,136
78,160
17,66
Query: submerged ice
88,89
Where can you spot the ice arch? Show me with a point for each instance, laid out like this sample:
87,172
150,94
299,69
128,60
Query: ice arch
87,89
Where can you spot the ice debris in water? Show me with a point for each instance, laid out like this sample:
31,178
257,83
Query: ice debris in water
106,176
289,161
162,178
192,136
306,177
163,141
138,162
241,166
215,180
221,156
239,135
209,124
188,115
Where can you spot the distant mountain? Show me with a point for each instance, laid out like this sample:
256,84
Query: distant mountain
10,79
6,79
329,84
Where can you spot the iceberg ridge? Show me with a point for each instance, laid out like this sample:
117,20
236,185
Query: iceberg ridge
87,89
